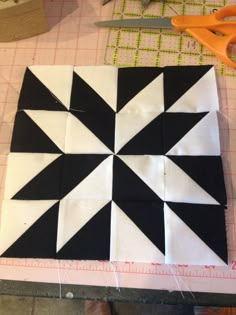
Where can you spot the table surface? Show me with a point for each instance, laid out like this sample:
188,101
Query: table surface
74,39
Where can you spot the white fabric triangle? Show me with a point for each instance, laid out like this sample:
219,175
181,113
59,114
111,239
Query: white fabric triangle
19,215
128,125
201,97
22,167
58,79
97,185
183,246
182,188
53,124
150,99
149,168
202,139
103,80
79,139
128,242
73,215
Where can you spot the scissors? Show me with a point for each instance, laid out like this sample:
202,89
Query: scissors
213,30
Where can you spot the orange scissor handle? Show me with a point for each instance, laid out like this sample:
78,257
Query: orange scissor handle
201,28
219,45
214,22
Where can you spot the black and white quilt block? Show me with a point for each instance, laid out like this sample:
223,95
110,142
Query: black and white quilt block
119,164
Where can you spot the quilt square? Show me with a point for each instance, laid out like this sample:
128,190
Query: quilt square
87,177
46,88
47,127
33,228
137,231
139,140
196,92
119,164
201,226
190,137
84,229
138,178
33,176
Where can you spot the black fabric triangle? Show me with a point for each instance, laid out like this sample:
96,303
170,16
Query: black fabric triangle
207,221
149,217
102,125
28,137
148,141
206,171
35,95
92,241
45,185
178,80
132,80
128,186
176,125
76,167
39,241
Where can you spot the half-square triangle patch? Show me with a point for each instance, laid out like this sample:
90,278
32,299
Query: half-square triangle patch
128,241
92,241
149,217
58,79
207,222
73,215
45,185
136,79
39,239
177,125
76,167
129,186
178,80
207,171
24,167
202,96
149,140
35,95
29,137
103,80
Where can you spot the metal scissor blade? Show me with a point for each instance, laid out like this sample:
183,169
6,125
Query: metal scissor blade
145,3
164,22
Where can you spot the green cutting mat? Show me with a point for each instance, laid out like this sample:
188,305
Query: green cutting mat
146,47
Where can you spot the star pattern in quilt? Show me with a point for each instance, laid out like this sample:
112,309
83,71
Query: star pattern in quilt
119,164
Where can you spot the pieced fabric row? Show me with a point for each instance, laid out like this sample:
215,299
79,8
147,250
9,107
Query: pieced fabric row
119,164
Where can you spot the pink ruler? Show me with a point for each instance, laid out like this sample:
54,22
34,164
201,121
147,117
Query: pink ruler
73,39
